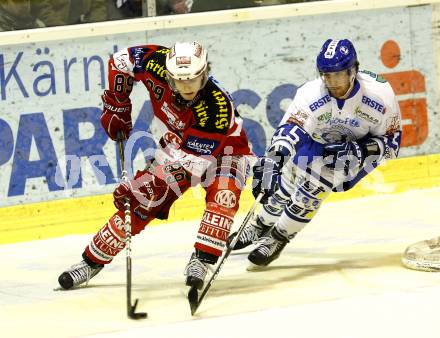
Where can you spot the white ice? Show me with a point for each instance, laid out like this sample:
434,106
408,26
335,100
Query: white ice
341,277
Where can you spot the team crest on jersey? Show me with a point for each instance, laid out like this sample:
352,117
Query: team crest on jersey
337,133
226,198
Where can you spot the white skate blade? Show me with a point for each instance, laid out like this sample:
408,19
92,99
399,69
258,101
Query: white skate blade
255,268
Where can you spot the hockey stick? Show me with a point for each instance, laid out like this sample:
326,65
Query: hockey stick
193,295
131,309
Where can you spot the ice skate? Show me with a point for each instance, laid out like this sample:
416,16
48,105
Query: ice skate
78,274
269,248
251,233
195,272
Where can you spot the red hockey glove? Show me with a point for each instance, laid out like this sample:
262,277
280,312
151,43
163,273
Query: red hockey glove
116,115
149,192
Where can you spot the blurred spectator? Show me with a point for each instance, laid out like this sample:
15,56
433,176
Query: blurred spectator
52,13
297,1
124,9
68,12
271,2
205,5
16,14
169,7
82,11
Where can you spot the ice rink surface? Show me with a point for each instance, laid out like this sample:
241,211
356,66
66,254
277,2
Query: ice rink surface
341,277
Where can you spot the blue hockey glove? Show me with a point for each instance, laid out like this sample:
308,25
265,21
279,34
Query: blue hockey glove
267,172
344,155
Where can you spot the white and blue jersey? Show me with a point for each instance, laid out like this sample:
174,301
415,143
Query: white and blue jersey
314,119
370,111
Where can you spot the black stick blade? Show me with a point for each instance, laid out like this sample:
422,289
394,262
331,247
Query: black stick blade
136,315
193,298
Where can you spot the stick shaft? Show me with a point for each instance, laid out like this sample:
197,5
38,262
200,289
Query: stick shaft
127,225
227,252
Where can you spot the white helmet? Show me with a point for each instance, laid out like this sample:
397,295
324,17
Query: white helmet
186,61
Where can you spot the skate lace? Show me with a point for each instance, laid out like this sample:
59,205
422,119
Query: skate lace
196,268
269,245
250,234
81,273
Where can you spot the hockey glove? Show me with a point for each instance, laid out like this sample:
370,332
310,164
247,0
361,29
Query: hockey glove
344,156
267,172
149,190
116,115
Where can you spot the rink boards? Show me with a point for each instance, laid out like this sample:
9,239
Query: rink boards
51,81
87,214
52,145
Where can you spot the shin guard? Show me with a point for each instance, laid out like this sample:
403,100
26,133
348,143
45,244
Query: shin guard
108,242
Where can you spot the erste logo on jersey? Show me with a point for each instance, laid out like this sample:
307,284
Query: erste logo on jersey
373,104
226,198
320,102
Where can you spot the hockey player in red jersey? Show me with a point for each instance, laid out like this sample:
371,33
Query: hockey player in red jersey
199,139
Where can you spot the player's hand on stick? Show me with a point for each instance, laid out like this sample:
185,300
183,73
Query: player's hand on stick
266,175
149,189
116,115
343,155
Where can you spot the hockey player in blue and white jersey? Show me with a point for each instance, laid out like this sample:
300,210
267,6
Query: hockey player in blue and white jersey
338,128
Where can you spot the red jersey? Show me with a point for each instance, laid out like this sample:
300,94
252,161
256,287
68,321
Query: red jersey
207,125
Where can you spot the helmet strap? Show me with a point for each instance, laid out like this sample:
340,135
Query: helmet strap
352,78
